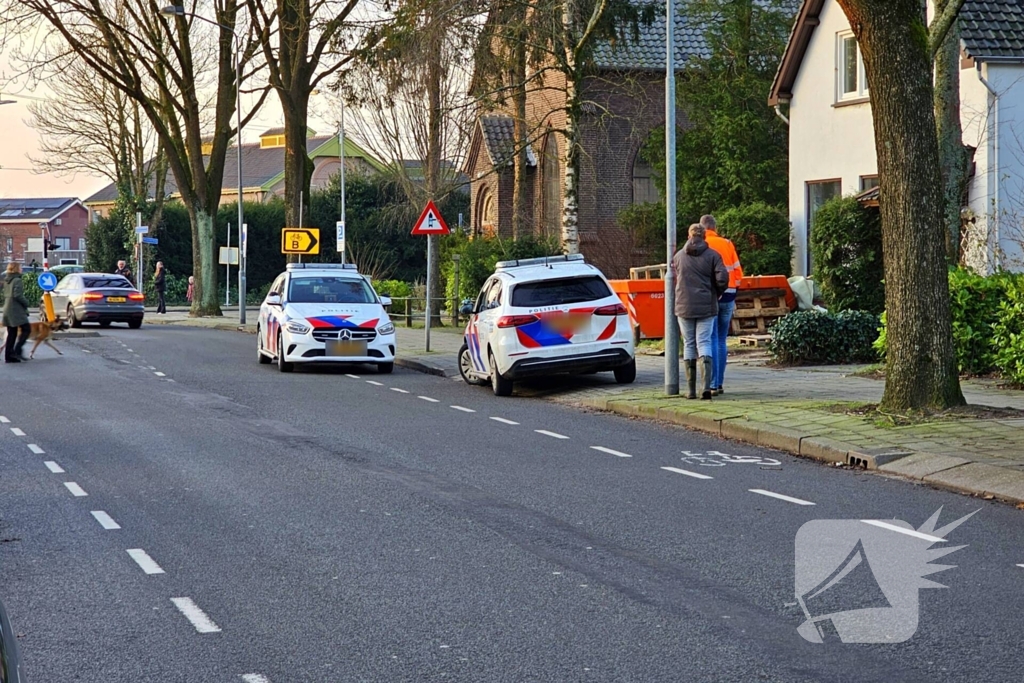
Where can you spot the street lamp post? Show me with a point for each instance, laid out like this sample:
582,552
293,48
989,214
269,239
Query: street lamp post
341,178
179,11
671,327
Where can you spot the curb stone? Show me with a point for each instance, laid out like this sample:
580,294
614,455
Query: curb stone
422,366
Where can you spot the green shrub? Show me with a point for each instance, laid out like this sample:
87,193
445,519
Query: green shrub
479,255
813,337
976,304
1008,333
645,224
396,289
255,297
846,244
760,232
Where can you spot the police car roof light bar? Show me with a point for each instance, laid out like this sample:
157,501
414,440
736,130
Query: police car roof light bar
540,261
321,266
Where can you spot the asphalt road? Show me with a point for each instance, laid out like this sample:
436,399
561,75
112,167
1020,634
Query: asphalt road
338,525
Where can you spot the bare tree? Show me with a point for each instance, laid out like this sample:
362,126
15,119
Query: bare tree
307,34
176,72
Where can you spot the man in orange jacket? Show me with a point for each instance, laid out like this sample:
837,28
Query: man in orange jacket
727,302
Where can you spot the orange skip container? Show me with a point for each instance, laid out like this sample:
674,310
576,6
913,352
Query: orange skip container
645,301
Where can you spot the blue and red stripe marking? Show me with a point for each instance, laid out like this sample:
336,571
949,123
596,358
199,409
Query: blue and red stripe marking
339,321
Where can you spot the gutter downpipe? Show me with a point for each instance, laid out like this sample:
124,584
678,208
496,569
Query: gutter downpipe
995,155
778,112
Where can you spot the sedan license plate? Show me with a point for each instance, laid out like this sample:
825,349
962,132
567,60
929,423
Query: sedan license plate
116,299
346,347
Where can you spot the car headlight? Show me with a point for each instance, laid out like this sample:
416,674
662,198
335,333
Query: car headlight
297,327
386,328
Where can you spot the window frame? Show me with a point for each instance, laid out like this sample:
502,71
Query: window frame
809,216
861,91
864,179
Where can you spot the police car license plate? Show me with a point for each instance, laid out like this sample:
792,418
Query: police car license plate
116,299
346,347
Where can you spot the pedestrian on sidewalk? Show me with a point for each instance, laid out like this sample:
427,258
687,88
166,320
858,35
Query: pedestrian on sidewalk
701,278
15,314
726,303
191,288
124,270
160,285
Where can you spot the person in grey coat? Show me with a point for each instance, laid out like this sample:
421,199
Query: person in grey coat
701,278
15,314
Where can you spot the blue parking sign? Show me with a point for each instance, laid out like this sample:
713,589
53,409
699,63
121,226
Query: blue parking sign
47,281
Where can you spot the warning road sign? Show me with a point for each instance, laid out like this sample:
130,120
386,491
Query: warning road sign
430,222
300,241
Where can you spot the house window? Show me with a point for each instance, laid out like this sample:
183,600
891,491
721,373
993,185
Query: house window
868,182
63,243
9,245
485,213
853,82
818,192
644,188
81,244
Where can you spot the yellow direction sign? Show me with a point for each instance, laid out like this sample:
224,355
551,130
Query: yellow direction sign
300,241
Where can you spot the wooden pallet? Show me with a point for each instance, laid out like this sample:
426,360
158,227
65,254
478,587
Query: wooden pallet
755,340
648,272
756,309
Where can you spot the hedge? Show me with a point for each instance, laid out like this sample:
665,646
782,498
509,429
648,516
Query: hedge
846,244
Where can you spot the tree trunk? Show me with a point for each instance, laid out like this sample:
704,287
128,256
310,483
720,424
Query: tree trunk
298,169
921,368
521,223
954,157
435,75
205,302
573,111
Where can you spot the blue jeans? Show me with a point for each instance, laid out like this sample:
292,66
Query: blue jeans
718,338
697,337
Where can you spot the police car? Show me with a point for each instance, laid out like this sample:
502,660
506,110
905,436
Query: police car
545,315
324,313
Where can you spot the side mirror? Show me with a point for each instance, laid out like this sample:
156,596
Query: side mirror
466,309
385,300
273,299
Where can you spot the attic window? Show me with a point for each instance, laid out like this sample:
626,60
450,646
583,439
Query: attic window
11,212
268,141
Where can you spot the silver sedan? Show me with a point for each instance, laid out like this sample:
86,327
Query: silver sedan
98,298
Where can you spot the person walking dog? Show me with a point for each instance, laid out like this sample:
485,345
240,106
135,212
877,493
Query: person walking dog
726,304
160,285
15,314
701,278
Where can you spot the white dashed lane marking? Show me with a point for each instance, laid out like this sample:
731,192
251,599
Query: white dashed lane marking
105,520
75,489
687,473
147,563
504,421
376,384
159,374
788,499
17,431
196,616
427,398
255,678
553,435
54,467
901,530
36,449
401,391
4,420
463,409
611,451
353,377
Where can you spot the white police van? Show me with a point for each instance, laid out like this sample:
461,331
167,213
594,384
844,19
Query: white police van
324,313
545,315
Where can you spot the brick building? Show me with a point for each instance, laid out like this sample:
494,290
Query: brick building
624,101
22,222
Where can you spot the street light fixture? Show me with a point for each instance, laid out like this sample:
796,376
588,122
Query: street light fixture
179,11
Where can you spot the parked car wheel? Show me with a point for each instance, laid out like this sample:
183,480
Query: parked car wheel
73,320
499,385
626,374
263,359
282,366
465,365
385,368
134,324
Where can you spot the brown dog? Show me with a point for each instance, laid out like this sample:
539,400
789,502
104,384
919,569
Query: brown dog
42,333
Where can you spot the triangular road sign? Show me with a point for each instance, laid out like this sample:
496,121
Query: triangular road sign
431,222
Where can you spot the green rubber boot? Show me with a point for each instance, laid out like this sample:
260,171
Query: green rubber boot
691,378
705,377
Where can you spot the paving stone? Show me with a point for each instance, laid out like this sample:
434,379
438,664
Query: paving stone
978,478
921,465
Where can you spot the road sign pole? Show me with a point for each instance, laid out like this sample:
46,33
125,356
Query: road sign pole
141,263
341,182
671,327
47,299
430,262
227,273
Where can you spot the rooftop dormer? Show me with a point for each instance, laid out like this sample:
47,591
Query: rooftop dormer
275,137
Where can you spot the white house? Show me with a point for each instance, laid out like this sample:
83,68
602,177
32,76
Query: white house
831,141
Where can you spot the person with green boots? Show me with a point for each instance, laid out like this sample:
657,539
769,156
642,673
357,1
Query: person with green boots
701,278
